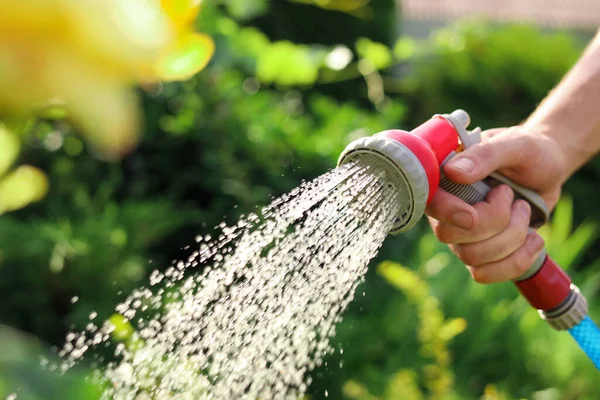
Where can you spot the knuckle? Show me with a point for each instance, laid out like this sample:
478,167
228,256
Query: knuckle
503,215
485,151
518,226
467,254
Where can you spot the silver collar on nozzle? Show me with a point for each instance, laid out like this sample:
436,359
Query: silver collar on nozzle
406,174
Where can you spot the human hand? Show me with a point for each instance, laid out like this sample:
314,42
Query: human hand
491,237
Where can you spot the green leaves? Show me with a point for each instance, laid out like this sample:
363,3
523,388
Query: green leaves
287,64
565,245
10,145
24,371
246,9
22,186
188,55
378,54
25,184
122,329
404,48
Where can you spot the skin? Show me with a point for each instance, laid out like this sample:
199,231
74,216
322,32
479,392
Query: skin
562,134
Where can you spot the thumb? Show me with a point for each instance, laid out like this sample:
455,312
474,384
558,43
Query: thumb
500,150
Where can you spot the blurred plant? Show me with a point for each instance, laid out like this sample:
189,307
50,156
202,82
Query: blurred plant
434,332
499,73
23,376
565,245
506,334
24,184
338,5
79,60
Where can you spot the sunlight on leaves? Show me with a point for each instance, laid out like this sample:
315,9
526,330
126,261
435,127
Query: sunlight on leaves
377,53
188,56
10,146
287,64
23,186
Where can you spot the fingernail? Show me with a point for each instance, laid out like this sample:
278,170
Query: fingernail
464,164
463,219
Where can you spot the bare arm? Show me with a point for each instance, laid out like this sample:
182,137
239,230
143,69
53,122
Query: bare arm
570,114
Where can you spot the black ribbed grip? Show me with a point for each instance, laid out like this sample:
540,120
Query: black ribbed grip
465,192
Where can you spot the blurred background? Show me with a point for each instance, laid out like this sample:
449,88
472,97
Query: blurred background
291,82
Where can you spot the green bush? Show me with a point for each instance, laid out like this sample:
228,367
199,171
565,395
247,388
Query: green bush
243,131
416,345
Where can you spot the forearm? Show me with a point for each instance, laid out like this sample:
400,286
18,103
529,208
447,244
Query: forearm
570,114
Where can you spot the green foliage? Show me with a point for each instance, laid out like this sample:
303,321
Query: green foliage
499,74
21,375
434,332
507,351
378,54
268,112
288,64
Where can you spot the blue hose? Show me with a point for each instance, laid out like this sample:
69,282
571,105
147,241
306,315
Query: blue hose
587,335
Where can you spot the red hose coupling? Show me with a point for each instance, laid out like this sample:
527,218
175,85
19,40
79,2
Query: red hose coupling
547,288
558,301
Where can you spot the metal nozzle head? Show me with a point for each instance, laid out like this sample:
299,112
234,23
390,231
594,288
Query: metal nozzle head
404,170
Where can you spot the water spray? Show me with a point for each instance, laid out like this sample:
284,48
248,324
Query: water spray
414,162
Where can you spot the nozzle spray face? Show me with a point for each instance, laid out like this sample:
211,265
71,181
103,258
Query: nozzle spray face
403,170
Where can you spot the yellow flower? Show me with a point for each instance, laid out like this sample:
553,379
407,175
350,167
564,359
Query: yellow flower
90,54
23,185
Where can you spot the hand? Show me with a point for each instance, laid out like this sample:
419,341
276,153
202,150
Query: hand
491,237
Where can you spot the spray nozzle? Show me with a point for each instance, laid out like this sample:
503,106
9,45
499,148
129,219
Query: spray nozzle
413,161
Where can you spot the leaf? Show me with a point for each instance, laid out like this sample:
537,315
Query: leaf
287,64
576,244
377,53
250,41
189,55
404,384
21,187
452,328
562,221
404,279
10,146
246,9
122,327
404,48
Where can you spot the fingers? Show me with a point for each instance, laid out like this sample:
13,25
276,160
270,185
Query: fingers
501,245
492,237
455,222
510,267
502,149
449,209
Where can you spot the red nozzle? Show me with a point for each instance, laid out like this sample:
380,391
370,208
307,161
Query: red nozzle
431,142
